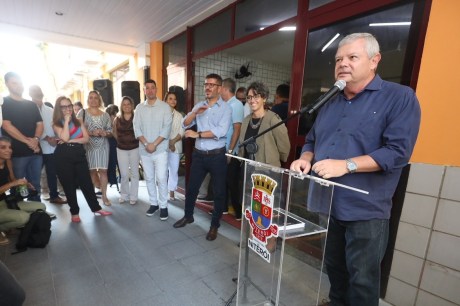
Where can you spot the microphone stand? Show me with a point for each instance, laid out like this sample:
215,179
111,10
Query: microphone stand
250,143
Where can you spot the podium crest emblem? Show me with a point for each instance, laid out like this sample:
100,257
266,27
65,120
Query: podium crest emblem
261,211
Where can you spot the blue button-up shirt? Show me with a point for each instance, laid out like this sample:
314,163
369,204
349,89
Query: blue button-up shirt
152,121
383,122
216,119
237,117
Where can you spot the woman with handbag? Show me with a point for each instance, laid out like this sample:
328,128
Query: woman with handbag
99,127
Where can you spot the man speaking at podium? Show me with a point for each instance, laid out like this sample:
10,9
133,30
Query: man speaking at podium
362,138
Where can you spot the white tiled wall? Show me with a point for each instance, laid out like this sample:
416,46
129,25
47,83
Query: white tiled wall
426,263
226,65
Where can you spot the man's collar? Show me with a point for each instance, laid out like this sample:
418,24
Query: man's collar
218,102
146,102
375,84
20,98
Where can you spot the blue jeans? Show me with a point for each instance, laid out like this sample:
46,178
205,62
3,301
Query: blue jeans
29,167
354,251
202,164
49,163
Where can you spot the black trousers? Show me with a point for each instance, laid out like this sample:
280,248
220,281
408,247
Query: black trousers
235,185
49,163
73,171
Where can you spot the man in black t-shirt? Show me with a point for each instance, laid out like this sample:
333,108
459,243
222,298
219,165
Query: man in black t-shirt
23,123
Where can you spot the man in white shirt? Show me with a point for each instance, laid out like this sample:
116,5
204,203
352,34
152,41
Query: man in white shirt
152,125
47,143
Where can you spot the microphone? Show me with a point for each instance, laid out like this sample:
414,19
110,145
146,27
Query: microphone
338,86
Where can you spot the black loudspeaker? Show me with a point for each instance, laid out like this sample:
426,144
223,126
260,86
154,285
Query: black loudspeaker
131,89
146,73
105,89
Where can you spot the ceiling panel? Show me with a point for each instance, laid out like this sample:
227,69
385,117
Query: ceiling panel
128,23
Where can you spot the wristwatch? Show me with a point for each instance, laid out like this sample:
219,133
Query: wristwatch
199,134
230,151
351,166
145,144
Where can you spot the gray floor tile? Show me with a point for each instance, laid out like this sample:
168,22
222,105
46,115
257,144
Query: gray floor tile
129,290
172,276
194,294
183,249
128,259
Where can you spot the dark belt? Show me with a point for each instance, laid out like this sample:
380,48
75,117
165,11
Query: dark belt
70,144
211,152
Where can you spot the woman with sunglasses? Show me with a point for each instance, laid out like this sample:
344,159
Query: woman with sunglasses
71,163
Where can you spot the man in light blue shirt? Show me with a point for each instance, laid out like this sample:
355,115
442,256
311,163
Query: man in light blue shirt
212,118
233,134
152,125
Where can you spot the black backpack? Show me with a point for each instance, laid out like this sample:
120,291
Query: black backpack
36,233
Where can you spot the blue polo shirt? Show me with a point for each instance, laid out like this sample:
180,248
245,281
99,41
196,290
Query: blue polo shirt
383,122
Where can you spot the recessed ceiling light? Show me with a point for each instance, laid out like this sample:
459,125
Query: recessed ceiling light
59,13
386,24
288,29
330,42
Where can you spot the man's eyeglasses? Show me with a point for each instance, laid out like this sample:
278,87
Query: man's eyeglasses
212,85
255,97
67,106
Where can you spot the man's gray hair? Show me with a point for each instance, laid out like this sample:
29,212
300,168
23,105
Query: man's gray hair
372,45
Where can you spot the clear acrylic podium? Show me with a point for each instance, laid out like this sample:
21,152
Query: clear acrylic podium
283,236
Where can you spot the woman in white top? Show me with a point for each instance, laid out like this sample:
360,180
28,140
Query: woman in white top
175,144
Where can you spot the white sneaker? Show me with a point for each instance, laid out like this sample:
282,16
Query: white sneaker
132,202
122,201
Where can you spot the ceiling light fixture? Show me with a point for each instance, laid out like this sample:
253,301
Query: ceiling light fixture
288,29
59,13
330,42
389,24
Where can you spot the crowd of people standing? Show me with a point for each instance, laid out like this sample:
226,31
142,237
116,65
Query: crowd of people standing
82,147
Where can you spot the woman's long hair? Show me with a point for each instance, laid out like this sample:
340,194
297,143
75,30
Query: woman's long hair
58,117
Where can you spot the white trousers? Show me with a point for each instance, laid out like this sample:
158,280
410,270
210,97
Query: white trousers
173,168
128,163
156,177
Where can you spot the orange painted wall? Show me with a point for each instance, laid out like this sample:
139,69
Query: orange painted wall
156,66
439,79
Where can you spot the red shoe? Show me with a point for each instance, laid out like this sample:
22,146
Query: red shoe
76,218
103,213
